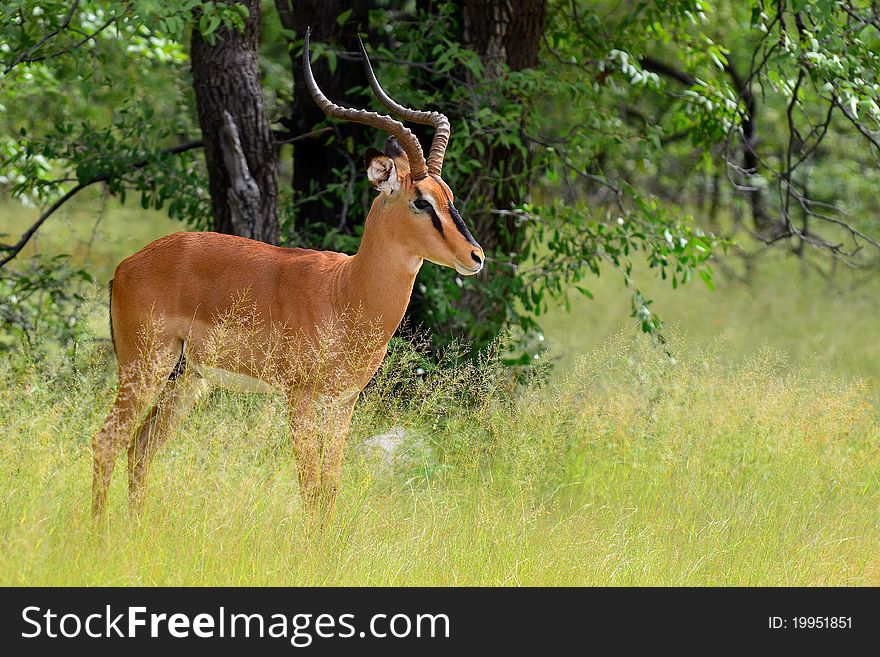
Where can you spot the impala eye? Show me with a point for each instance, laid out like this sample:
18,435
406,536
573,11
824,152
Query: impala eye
422,204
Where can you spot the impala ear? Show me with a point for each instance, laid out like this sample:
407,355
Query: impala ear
381,171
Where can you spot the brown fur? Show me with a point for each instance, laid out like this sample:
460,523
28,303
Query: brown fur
171,300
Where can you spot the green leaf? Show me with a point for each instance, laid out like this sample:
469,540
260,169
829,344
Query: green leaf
331,60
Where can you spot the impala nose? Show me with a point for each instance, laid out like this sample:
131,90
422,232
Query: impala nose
477,256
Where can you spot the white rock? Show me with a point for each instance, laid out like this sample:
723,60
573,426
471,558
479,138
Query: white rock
384,447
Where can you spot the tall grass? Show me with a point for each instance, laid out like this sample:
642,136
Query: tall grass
830,324
753,459
627,469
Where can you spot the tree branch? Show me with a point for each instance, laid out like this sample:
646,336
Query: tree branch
867,134
28,53
12,250
243,194
64,51
586,175
662,68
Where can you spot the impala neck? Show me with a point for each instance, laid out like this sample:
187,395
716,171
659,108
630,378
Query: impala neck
382,273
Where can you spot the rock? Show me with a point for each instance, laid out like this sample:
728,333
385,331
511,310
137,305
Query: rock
384,447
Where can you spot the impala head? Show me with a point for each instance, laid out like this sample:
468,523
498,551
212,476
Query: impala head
412,192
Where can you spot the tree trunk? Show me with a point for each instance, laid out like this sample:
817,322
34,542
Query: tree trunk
317,165
239,146
768,227
501,32
504,32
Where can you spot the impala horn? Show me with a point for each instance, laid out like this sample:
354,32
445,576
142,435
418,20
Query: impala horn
439,121
408,141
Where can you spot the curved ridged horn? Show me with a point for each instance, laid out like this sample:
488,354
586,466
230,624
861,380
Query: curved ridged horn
435,119
404,135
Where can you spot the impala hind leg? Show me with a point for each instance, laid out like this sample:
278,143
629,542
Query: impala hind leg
109,441
139,381
175,401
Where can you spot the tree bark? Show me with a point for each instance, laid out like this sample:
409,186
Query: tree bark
501,32
504,32
242,171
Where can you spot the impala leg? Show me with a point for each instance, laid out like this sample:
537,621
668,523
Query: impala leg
319,428
306,447
109,441
176,401
337,419
140,378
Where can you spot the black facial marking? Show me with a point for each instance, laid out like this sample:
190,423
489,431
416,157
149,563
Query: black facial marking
435,220
456,217
460,225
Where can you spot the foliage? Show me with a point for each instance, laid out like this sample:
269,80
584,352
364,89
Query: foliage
775,98
562,230
631,128
41,303
109,115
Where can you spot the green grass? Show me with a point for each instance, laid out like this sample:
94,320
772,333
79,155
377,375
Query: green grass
830,324
626,470
753,459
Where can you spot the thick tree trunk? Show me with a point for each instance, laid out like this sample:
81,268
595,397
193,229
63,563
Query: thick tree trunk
504,32
316,165
501,32
239,146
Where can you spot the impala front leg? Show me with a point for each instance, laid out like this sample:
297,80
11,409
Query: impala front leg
336,414
319,426
301,410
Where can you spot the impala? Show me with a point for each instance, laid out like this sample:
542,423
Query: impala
196,310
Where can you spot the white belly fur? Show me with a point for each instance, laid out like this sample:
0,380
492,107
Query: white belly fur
216,376
232,380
